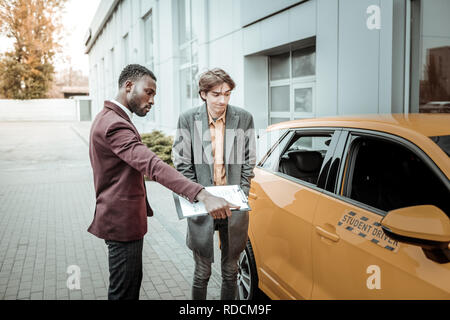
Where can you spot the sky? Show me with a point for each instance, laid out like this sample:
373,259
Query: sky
76,20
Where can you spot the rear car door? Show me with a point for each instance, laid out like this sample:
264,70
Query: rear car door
353,257
281,220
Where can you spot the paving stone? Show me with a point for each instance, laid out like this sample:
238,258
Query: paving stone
166,296
176,292
98,292
36,296
89,296
11,291
161,288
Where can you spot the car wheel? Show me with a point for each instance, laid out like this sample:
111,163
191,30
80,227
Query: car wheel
247,278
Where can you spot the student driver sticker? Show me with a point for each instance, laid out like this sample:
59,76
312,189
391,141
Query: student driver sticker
367,228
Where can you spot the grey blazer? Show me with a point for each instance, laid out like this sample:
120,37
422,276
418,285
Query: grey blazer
192,156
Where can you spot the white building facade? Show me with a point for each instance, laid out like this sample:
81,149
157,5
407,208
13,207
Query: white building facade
290,59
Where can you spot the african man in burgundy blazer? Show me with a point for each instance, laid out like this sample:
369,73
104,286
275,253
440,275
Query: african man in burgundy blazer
119,160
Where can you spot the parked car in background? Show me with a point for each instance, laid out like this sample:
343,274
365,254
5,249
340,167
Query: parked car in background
352,208
435,107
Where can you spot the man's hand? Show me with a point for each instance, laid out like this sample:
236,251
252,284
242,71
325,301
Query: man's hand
218,208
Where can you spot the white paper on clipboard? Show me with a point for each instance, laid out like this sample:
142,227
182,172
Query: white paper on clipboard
232,194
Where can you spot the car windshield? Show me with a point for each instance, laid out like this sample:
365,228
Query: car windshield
443,142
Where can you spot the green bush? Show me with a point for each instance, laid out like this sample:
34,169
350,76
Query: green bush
160,144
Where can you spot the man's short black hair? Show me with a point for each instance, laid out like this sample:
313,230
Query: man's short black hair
134,72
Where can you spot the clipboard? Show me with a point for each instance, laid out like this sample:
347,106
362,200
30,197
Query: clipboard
233,194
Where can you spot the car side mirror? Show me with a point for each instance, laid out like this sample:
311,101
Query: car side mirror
426,226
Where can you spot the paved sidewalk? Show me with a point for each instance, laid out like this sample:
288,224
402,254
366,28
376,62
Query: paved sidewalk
46,204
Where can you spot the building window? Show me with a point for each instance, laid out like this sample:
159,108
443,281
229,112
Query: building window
102,81
112,72
148,40
292,78
430,59
97,78
188,53
125,52
149,57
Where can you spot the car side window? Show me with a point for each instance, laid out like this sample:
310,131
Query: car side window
386,175
270,161
303,158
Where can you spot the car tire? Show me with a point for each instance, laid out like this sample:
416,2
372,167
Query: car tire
247,277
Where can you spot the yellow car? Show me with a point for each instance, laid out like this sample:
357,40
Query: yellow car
351,208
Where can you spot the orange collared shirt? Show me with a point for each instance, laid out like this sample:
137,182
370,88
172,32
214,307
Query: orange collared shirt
217,130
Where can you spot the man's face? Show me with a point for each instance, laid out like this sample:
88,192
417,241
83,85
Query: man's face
141,95
217,99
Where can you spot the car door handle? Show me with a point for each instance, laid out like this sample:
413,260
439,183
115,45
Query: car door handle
329,235
252,195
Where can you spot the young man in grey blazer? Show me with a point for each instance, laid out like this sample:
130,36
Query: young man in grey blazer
215,145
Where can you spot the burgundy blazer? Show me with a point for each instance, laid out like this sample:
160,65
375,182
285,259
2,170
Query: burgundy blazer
119,161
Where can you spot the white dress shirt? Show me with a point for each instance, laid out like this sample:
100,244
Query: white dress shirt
127,111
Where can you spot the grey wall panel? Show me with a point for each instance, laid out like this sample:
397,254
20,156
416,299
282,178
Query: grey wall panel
275,30
256,96
358,59
252,39
145,7
253,10
398,56
302,21
385,53
327,58
291,25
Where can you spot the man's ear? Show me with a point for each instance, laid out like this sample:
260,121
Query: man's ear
203,95
128,86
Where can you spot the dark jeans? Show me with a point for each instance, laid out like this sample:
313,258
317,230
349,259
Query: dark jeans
229,269
125,269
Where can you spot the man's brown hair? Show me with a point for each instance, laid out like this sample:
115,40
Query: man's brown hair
213,78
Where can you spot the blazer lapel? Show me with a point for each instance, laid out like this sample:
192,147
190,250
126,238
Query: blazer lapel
203,133
231,125
112,106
